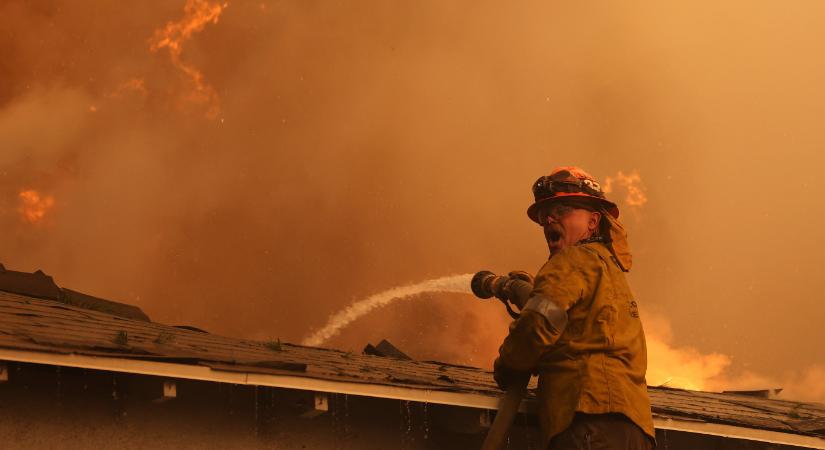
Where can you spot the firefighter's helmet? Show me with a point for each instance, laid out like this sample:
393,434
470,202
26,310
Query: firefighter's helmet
572,183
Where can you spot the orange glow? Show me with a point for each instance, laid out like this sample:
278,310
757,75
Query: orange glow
34,206
678,366
632,185
197,14
135,85
355,132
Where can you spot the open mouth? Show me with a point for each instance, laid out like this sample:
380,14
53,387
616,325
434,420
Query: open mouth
554,235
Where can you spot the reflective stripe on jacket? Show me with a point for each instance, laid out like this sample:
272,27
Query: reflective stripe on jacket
580,331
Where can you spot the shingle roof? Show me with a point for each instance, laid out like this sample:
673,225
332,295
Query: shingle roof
50,327
40,285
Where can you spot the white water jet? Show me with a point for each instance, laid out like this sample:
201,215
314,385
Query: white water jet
453,283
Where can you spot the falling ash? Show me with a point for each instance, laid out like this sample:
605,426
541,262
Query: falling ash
453,283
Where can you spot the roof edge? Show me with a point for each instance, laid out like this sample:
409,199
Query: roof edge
204,373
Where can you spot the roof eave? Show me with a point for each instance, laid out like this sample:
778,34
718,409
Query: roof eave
467,400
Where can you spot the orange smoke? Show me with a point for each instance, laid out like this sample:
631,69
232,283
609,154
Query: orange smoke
33,206
136,85
197,14
632,185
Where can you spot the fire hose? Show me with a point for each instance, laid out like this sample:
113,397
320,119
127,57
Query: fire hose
515,290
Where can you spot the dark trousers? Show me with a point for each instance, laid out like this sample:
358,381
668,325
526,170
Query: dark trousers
601,432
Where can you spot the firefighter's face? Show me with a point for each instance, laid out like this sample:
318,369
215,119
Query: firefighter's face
565,224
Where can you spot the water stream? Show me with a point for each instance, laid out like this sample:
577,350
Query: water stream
453,283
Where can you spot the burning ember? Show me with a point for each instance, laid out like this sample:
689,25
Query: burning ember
632,184
197,14
33,206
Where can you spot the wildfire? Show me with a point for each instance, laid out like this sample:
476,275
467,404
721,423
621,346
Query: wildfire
197,14
632,184
34,206
682,367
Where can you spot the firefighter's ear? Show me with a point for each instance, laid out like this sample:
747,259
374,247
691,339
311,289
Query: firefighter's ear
595,220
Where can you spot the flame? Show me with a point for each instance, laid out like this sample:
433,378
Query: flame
34,206
686,367
632,184
681,367
197,14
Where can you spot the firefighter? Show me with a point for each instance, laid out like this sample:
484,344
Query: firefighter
580,329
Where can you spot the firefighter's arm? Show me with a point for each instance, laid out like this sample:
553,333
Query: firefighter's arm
520,288
528,339
567,277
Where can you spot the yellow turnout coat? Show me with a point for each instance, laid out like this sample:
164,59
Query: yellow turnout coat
580,331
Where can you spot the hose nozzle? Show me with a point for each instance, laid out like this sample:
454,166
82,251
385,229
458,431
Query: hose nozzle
514,288
486,284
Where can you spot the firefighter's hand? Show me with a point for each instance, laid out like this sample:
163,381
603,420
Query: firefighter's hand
519,287
504,291
521,275
506,377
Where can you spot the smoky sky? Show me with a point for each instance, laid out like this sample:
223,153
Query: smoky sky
369,144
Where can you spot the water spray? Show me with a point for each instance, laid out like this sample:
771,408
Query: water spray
513,288
452,284
509,289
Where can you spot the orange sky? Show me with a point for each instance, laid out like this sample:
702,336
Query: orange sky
301,155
